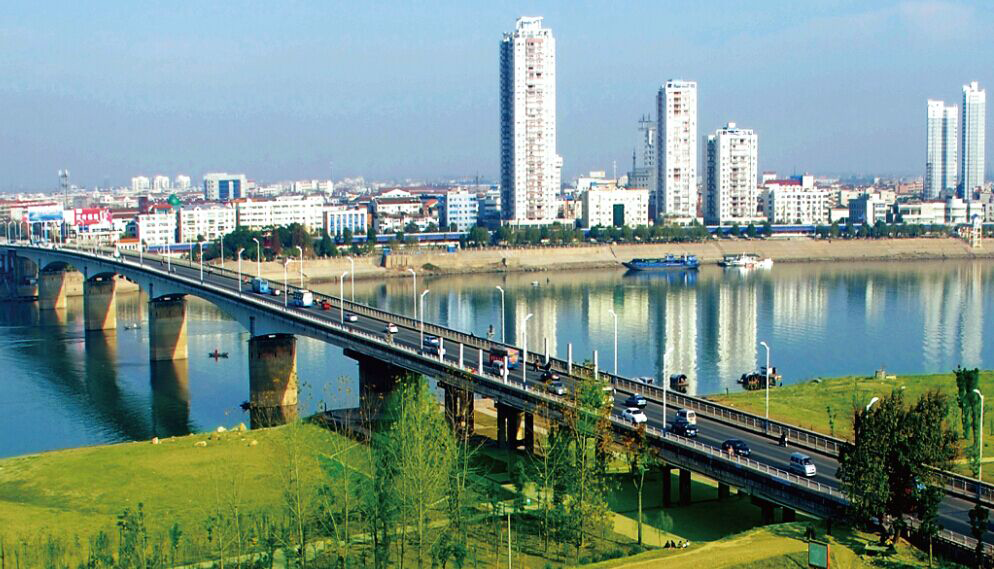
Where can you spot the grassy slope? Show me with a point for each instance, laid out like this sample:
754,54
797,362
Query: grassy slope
81,491
806,404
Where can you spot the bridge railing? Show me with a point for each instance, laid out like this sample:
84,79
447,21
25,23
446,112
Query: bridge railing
953,483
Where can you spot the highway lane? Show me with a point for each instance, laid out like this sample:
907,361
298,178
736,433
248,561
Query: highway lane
953,510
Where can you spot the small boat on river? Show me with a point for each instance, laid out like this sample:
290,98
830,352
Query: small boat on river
217,354
746,261
667,263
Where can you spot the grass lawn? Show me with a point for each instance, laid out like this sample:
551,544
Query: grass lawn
78,492
807,404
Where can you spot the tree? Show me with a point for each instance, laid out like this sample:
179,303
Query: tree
751,230
978,527
767,229
889,469
640,461
547,468
479,236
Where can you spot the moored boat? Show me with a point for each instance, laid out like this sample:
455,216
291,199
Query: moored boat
746,261
669,262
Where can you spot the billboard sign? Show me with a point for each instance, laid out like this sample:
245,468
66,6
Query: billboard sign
87,216
43,213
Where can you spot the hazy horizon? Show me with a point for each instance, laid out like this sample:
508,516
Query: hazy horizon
313,89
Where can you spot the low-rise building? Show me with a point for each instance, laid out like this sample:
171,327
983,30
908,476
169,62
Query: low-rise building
459,208
221,186
614,207
207,221
795,201
867,209
916,212
338,218
157,226
283,210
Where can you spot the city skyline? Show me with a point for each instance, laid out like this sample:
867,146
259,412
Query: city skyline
141,91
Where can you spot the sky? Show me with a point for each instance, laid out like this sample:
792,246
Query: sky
393,90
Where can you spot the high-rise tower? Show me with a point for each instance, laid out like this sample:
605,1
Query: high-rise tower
530,169
972,146
941,160
676,108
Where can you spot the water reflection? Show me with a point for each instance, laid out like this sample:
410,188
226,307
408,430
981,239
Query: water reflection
170,381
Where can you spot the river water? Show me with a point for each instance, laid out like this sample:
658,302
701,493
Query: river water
63,388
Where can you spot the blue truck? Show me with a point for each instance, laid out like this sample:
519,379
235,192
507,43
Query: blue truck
260,286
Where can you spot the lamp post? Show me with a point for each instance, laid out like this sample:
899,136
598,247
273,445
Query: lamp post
980,451
524,348
666,384
341,297
141,250
503,341
422,314
870,404
615,315
301,249
239,254
415,275
286,285
767,346
201,262
221,251
352,275
258,258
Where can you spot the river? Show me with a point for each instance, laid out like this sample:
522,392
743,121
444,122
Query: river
62,388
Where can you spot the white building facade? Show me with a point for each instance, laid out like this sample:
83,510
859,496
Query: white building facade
460,208
157,227
614,207
207,221
221,186
973,139
161,183
676,107
140,184
732,172
182,182
338,218
283,210
941,161
644,170
530,169
795,201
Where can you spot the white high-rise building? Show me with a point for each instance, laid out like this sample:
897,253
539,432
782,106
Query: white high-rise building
676,108
220,186
140,184
972,147
732,168
530,169
941,160
182,182
160,183
643,174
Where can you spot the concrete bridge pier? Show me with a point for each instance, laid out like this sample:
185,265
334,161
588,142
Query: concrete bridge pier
167,328
509,431
684,487
100,303
272,380
789,515
667,485
54,286
766,508
724,491
376,380
459,406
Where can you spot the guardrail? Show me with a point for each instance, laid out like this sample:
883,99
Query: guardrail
957,484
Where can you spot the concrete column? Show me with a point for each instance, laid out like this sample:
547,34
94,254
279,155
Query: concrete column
459,410
529,440
667,486
569,359
789,515
272,379
376,381
508,425
51,290
765,508
100,303
167,328
684,487
724,491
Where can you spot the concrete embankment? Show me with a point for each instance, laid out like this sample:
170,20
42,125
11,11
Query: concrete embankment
604,256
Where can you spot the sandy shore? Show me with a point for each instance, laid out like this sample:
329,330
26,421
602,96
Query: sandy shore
604,256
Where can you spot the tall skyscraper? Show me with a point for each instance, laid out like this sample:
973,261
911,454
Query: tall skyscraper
530,169
941,161
972,147
676,108
643,174
732,184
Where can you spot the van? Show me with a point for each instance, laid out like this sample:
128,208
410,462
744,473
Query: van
800,463
687,416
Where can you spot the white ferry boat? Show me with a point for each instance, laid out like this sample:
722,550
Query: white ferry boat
746,261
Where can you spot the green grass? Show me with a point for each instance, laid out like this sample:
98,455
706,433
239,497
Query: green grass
78,492
807,404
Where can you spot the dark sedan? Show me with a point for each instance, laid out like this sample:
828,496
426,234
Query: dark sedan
735,446
684,429
636,400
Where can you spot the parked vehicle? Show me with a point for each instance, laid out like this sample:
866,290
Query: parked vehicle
634,415
349,317
684,429
260,286
303,298
556,387
391,328
687,415
636,400
800,463
736,446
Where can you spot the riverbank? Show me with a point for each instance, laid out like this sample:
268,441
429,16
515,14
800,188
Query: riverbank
436,262
827,405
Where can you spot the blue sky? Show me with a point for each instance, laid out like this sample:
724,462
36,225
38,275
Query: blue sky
285,90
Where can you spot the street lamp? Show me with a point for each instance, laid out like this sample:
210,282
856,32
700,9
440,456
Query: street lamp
503,341
415,275
299,248
615,315
767,346
524,349
870,404
239,254
201,262
422,314
141,251
341,296
258,258
286,287
221,249
980,451
666,384
352,275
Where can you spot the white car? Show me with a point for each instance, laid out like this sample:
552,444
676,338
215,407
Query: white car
349,317
391,328
634,415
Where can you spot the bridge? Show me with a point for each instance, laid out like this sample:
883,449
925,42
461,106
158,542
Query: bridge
460,368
